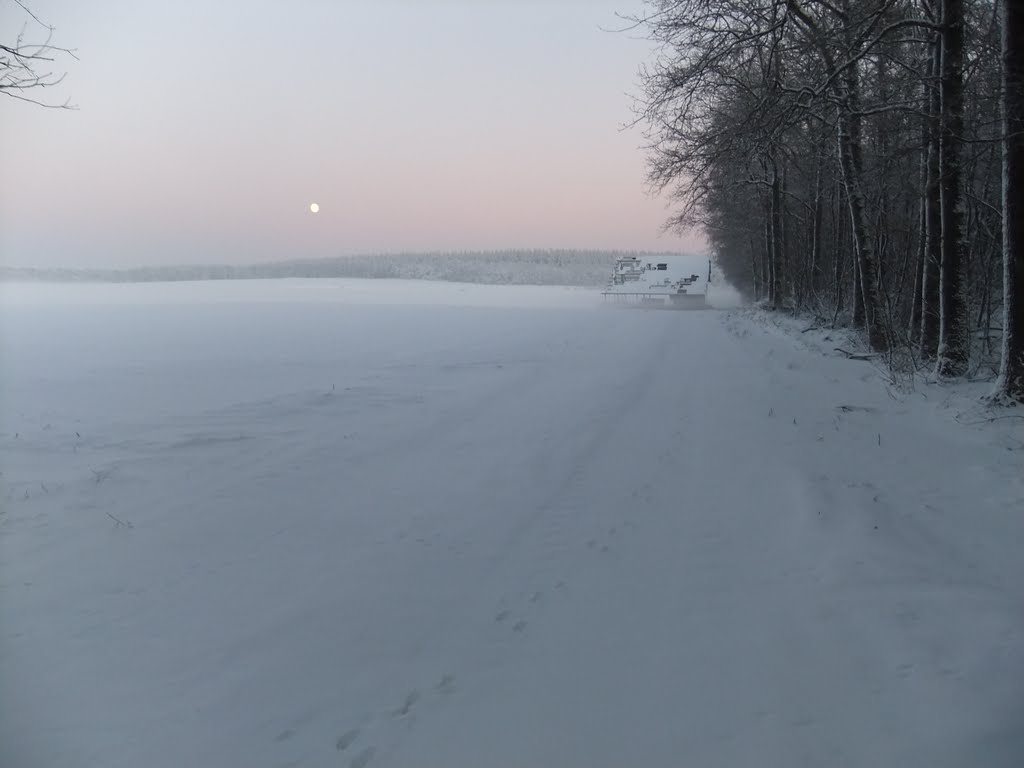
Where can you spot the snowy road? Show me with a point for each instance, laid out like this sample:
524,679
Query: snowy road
263,530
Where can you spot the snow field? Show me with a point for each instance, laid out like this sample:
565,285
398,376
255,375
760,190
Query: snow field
383,524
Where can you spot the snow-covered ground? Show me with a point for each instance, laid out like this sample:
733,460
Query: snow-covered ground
338,523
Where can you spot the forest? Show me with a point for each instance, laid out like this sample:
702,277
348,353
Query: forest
860,161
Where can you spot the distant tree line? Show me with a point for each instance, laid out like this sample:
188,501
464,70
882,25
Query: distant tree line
511,267
858,159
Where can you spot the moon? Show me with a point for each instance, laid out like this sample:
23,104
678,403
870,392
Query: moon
314,207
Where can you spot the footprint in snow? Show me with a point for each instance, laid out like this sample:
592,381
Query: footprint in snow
363,758
447,685
905,669
410,701
346,739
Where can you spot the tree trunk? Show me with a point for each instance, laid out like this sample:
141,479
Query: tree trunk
815,265
791,270
755,269
852,165
916,302
769,254
953,336
838,247
1011,373
932,218
766,272
775,230
858,296
882,232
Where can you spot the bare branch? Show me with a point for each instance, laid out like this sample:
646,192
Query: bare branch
20,63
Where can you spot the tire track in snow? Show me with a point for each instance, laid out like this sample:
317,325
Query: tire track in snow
531,558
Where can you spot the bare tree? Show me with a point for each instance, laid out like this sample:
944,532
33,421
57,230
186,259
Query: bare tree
931,243
855,142
953,333
29,63
1011,375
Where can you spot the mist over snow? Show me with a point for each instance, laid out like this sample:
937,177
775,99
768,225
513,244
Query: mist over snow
573,268
511,267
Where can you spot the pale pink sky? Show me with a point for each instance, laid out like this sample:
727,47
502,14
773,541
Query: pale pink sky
207,127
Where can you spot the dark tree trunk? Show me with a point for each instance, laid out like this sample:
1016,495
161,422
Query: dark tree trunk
953,337
775,244
766,271
789,268
769,254
916,302
858,296
815,265
932,223
851,160
881,238
755,269
933,219
1011,376
921,248
838,247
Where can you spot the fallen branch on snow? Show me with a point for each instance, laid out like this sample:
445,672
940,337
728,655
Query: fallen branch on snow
119,522
856,355
851,408
988,420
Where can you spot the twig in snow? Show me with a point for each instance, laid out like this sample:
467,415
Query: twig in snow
856,355
118,522
988,420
